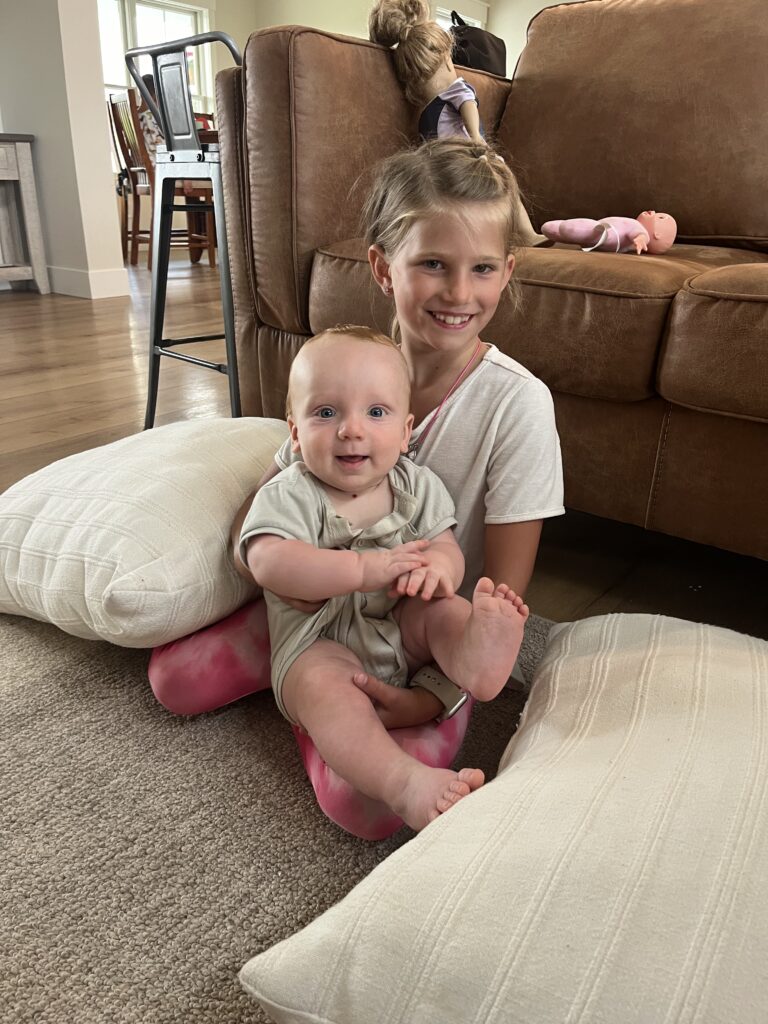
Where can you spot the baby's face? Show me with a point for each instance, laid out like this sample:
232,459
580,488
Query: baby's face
351,420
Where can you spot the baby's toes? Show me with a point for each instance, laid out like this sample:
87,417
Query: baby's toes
451,796
473,777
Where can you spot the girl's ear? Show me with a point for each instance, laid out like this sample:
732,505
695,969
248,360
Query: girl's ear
380,268
510,266
295,446
407,428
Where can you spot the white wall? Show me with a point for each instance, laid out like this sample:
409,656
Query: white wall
50,87
348,17
236,18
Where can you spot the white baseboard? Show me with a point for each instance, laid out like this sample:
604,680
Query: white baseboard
89,284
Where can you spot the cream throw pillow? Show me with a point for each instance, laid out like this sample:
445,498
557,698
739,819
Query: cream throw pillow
130,542
616,871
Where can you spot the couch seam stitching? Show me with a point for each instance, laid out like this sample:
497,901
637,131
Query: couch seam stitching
658,468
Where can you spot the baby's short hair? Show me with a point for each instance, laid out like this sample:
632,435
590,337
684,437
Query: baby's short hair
360,333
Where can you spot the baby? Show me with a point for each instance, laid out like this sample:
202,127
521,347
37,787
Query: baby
369,533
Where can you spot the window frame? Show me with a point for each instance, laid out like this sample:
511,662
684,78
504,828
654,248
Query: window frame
201,11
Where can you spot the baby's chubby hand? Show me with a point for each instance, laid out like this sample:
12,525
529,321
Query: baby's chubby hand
382,566
428,581
438,577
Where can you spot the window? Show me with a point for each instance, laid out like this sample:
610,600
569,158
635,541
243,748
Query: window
124,24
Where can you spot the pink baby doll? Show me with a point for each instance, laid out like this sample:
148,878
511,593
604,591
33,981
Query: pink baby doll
651,232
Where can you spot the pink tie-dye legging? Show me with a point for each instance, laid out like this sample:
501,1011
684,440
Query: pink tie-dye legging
231,659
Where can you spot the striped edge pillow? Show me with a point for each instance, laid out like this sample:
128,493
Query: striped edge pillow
613,871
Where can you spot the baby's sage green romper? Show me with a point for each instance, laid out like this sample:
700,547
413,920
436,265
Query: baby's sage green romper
293,505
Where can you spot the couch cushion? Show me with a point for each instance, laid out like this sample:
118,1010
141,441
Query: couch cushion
590,324
614,871
615,105
716,353
130,542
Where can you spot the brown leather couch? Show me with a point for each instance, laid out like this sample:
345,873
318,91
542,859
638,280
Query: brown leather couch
658,364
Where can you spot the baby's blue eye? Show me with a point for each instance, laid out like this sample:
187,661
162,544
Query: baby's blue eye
325,413
376,411
432,264
484,268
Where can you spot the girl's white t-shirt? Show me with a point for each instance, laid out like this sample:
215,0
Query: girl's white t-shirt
495,447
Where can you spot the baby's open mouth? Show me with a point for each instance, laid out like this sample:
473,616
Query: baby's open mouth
352,460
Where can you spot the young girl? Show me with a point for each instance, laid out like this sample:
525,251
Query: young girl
441,226
422,58
343,526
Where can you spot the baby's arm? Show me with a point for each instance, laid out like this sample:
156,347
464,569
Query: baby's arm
237,523
470,115
302,571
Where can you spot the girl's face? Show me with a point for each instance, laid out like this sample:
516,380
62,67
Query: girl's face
447,277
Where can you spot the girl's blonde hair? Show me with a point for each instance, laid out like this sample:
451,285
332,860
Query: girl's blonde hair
422,46
441,176
359,333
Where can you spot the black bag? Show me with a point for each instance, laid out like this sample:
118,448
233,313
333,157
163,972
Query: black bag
476,48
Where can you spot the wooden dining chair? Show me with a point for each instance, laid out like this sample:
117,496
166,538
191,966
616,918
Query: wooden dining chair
137,179
200,232
121,182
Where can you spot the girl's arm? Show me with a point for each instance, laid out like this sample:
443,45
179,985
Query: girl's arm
304,572
470,115
510,553
237,523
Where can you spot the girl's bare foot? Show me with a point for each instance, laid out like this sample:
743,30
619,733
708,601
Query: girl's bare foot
486,651
429,792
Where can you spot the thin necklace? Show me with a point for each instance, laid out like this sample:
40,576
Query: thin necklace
414,446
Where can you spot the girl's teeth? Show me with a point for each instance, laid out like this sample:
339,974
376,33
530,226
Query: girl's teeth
450,320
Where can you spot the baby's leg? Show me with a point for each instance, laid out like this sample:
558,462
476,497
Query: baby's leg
434,743
216,665
318,694
476,645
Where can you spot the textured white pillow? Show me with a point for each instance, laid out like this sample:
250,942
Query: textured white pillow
129,542
614,871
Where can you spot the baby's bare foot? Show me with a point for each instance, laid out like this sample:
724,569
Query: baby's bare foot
487,649
429,792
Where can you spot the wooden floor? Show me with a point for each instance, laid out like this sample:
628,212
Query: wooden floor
74,377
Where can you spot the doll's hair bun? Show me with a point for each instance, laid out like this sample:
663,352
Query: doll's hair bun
390,21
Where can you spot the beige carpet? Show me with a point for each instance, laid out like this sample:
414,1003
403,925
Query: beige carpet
144,858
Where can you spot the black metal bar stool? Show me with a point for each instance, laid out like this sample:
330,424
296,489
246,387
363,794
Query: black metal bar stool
183,157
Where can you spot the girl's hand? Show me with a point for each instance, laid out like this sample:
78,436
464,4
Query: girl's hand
382,567
399,707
